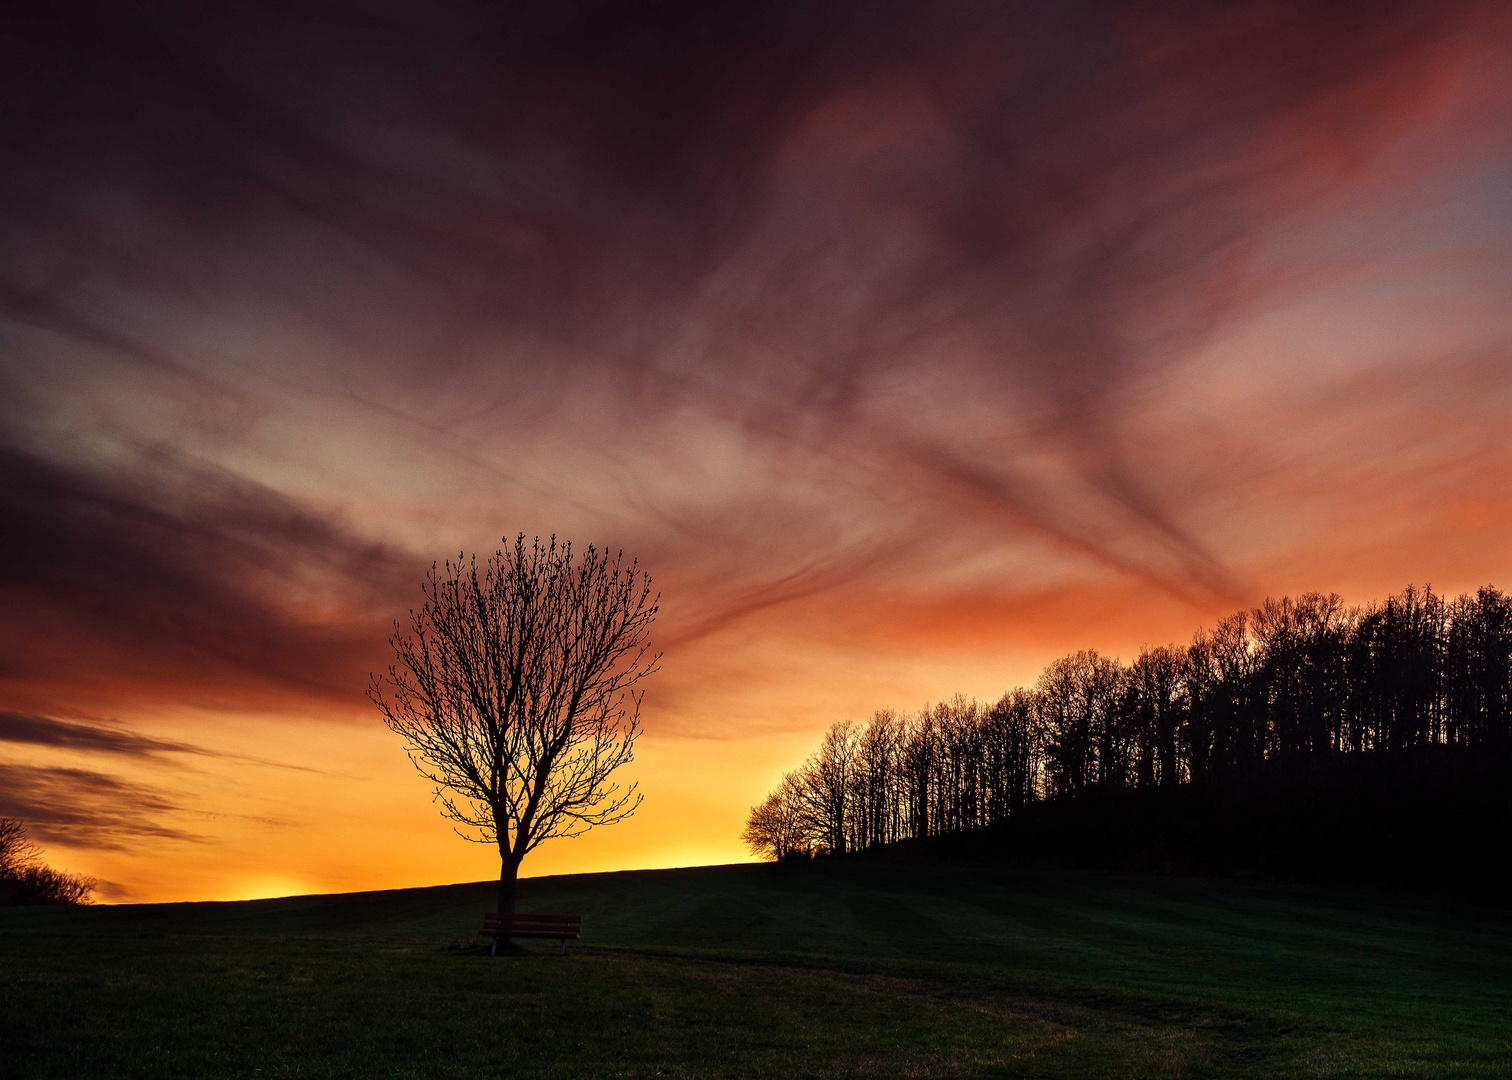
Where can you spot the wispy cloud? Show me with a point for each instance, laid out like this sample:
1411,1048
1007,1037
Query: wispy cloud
84,808
30,729
185,576
33,730
777,214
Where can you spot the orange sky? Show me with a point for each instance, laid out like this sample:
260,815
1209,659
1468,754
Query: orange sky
909,347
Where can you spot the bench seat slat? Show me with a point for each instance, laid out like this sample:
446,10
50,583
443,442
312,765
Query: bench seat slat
568,927
529,924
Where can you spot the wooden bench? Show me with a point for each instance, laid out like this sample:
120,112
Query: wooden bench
520,924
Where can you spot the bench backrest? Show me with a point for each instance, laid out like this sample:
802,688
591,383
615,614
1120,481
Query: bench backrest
526,921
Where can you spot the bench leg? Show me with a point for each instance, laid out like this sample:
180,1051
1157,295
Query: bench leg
493,950
564,946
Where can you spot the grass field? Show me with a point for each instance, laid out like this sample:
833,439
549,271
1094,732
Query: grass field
820,970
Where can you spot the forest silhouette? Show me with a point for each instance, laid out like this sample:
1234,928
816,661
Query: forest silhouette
1303,738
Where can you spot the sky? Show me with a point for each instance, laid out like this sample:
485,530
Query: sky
908,346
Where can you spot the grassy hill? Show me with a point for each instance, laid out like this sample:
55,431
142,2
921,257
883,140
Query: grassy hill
822,969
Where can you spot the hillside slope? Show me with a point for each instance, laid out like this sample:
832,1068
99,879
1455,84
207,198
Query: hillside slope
759,970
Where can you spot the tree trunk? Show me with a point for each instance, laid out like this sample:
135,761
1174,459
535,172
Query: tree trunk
509,871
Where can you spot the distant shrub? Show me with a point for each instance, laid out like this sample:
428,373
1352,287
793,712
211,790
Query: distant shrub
25,879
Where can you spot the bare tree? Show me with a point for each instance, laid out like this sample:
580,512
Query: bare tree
16,847
826,782
515,692
25,879
778,827
878,815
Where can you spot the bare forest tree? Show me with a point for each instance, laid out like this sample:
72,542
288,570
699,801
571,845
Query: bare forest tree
26,879
1292,680
16,847
779,828
515,690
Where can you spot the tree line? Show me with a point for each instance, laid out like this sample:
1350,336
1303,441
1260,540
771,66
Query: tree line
1291,679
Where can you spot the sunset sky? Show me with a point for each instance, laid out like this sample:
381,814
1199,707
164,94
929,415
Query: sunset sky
909,346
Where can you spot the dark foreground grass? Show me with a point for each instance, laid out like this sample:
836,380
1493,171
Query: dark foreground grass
822,970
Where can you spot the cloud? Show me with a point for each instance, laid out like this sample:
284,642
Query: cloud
115,892
172,574
35,730
84,808
773,209
912,267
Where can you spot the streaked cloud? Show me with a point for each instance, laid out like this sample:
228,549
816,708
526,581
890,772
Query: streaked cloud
85,808
27,729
